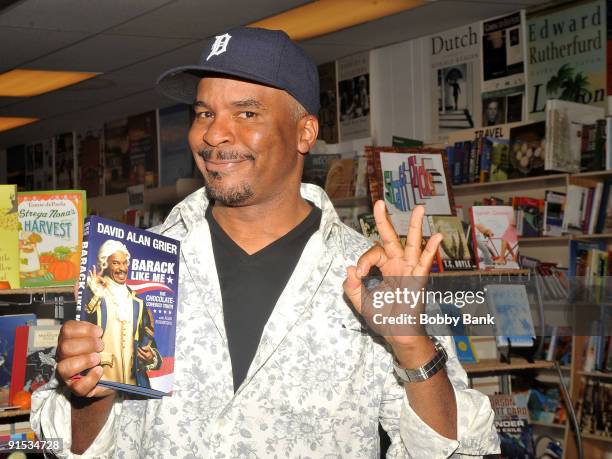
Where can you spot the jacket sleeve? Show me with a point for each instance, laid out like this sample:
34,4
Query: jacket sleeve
412,437
50,418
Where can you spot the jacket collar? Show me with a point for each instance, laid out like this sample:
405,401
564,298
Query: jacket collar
191,213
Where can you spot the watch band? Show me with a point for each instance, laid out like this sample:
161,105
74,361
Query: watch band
426,371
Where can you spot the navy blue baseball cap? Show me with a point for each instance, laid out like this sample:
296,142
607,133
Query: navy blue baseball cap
263,56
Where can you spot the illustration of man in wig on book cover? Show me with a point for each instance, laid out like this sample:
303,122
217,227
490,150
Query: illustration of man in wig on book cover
129,345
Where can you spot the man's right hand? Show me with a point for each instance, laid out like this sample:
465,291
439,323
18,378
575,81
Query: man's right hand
78,349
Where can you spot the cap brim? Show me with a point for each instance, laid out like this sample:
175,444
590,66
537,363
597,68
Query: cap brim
181,83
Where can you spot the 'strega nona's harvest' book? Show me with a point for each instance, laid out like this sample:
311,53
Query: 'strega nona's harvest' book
51,229
128,286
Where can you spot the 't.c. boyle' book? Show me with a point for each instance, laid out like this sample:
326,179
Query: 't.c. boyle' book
128,285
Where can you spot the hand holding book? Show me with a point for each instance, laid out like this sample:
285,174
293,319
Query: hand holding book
78,351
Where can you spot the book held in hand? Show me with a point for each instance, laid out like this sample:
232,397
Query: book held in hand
128,285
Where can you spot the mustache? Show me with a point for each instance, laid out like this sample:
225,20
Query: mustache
229,155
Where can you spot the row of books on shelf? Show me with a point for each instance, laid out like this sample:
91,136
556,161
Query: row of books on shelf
594,408
573,138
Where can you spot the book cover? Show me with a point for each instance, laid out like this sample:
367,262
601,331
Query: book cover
528,215
503,69
554,208
354,93
9,235
50,237
567,56
512,424
34,363
527,147
65,155
339,182
465,350
316,167
564,125
176,157
90,163
454,253
494,237
509,304
129,288
328,113
8,325
455,66
412,177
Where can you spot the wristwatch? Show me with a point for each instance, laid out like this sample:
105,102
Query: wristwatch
423,373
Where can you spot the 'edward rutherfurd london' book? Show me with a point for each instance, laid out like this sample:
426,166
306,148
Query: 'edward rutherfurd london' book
128,285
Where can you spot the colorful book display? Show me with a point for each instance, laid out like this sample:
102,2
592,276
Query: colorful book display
50,237
130,289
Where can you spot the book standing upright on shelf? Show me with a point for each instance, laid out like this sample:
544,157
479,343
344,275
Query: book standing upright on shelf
51,229
33,357
9,235
406,177
494,237
128,286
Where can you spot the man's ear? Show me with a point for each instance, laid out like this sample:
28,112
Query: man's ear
308,130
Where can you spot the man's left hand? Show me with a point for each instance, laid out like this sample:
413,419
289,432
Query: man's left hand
402,268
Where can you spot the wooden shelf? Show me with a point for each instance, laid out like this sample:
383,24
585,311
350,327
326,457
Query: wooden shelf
547,424
13,413
491,272
544,239
594,174
494,366
595,374
468,188
36,290
596,437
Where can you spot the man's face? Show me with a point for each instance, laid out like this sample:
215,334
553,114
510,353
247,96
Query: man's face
246,141
492,111
118,267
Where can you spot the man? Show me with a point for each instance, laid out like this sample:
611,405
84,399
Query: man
493,114
128,337
271,357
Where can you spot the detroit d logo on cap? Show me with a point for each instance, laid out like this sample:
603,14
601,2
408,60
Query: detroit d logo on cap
220,45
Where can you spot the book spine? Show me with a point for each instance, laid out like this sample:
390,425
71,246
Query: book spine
465,166
485,160
457,163
18,370
608,143
83,267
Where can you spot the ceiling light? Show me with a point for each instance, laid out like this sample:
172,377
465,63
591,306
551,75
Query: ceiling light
28,83
325,16
9,122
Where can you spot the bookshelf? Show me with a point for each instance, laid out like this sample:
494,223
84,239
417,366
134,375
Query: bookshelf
7,414
492,366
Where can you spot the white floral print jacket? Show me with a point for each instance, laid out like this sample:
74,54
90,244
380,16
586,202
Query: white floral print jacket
318,385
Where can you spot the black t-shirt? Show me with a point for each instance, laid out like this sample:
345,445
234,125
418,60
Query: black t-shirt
252,284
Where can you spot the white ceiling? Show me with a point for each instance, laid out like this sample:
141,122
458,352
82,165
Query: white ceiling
133,41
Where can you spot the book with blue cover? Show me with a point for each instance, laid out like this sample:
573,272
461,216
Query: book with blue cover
509,305
128,285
